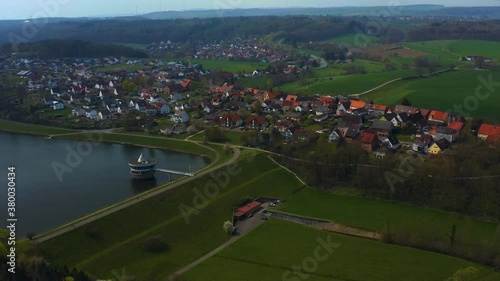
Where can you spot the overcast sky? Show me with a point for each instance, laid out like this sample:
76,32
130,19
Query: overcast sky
23,9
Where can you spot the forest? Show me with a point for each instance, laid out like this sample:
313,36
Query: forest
57,48
291,30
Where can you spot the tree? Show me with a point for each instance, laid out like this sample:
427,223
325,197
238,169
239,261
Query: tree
257,107
480,62
155,244
467,274
419,71
406,102
214,134
227,227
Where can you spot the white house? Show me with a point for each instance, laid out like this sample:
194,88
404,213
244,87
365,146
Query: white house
78,112
58,106
180,117
92,114
121,109
104,115
179,107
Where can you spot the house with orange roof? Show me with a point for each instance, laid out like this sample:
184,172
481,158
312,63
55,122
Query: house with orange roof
291,98
269,96
487,130
438,116
185,83
378,109
327,101
356,104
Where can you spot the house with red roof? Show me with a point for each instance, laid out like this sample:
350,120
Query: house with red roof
487,130
255,122
369,140
327,101
378,109
438,116
248,210
231,120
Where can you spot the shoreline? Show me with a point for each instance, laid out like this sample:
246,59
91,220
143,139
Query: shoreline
61,135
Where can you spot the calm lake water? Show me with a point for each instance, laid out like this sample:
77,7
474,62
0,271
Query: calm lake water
102,178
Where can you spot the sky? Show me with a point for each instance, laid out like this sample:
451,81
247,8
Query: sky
25,9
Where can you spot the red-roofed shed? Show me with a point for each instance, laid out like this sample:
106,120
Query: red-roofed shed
247,210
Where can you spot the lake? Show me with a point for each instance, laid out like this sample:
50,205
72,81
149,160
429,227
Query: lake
56,184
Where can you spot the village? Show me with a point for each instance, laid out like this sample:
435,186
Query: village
167,98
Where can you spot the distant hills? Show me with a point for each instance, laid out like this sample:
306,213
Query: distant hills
409,10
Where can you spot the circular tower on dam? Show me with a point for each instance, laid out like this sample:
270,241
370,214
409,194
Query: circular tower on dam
142,168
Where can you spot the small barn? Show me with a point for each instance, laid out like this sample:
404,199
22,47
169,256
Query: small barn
247,210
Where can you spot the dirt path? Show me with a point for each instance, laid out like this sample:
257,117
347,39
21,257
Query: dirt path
129,202
396,80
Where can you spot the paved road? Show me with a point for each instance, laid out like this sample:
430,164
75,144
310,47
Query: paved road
129,202
243,228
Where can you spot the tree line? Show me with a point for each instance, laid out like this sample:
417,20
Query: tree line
58,48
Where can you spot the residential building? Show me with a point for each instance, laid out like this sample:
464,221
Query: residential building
180,117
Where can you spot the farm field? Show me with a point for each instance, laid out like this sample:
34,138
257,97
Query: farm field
456,48
117,241
380,215
338,69
387,50
442,92
256,257
255,82
355,40
345,85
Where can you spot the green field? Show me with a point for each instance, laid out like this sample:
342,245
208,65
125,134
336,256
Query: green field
443,92
382,216
355,40
338,69
273,248
150,141
116,241
455,48
222,65
31,129
352,84
256,82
